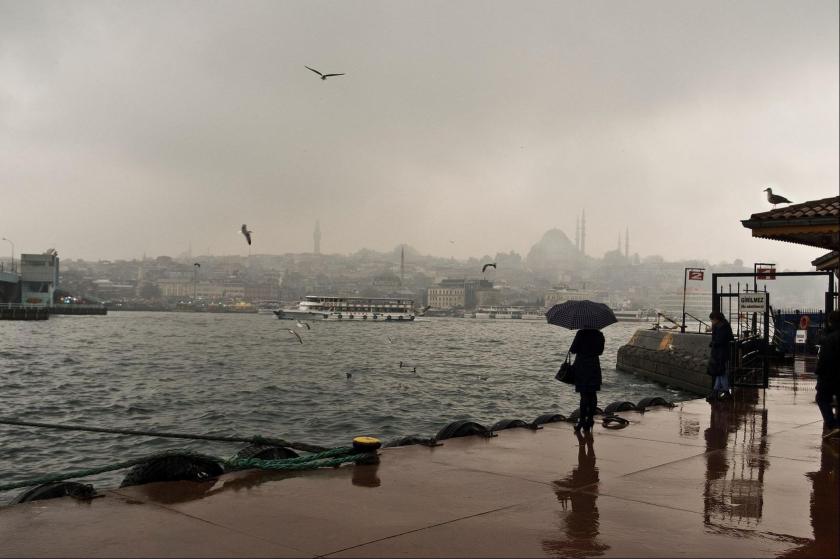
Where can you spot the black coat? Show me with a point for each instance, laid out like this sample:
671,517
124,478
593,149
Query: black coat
828,363
719,356
587,346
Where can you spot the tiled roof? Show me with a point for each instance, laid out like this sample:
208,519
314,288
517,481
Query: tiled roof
814,209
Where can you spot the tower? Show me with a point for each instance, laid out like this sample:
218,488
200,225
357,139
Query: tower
618,246
577,232
316,236
402,264
627,242
583,232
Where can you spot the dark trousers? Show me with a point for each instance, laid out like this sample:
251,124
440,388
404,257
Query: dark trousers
825,395
588,403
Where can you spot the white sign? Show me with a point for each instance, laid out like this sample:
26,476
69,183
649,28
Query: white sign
801,336
752,302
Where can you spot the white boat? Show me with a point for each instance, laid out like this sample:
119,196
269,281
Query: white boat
314,307
508,313
636,315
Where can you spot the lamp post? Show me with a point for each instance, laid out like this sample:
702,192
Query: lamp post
196,266
698,276
13,252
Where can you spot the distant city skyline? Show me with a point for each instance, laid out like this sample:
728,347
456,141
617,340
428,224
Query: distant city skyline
141,127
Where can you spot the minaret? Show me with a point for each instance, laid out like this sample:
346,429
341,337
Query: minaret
618,247
316,236
402,265
627,242
583,232
577,232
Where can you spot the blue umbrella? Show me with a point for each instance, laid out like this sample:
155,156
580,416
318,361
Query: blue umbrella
575,315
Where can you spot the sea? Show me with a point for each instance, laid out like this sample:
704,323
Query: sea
246,375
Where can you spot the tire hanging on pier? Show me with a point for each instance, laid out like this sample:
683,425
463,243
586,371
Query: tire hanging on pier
56,490
174,467
511,424
462,428
619,406
549,418
264,452
652,402
576,414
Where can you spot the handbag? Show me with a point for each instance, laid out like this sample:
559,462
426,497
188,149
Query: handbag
566,373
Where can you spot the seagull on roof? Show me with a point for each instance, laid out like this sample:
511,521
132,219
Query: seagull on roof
323,76
296,335
484,268
244,230
775,198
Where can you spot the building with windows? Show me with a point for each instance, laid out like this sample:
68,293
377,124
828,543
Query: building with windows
38,278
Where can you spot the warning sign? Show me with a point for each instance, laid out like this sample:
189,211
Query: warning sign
695,275
752,302
801,336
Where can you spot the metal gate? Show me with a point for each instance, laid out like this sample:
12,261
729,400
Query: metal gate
756,343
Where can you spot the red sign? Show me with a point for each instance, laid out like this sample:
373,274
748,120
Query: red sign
766,274
695,275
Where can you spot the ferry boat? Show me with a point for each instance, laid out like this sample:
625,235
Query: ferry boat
314,307
508,313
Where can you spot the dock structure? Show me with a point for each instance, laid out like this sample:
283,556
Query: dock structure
23,312
750,477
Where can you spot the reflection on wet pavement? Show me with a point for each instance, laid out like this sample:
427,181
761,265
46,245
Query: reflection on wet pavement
747,477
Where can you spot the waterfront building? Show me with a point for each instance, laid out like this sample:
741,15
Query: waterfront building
447,295
698,303
38,278
561,295
488,298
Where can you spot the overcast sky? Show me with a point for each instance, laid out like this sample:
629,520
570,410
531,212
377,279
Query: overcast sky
132,127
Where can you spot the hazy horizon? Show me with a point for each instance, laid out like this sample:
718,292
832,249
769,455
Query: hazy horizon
131,128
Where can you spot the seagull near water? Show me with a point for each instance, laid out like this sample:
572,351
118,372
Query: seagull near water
323,76
296,334
775,198
244,230
303,325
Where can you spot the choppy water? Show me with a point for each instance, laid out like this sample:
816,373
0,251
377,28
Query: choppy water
245,374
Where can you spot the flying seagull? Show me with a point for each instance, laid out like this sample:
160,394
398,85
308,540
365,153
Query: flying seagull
246,232
303,324
775,198
296,335
323,76
484,268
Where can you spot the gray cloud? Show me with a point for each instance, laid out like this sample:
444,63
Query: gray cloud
137,127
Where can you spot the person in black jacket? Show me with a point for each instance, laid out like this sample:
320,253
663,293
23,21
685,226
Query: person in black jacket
828,373
719,356
587,346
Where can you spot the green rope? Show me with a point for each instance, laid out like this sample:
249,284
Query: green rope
329,458
166,435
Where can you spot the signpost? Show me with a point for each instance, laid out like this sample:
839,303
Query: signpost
801,336
765,274
694,274
754,302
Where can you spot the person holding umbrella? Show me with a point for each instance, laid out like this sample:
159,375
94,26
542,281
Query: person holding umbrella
587,318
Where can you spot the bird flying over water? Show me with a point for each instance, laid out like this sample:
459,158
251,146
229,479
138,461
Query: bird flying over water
246,232
775,198
323,76
484,268
303,325
296,335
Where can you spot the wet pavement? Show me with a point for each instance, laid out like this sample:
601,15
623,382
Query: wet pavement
746,478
